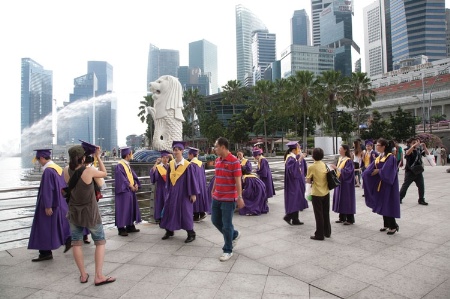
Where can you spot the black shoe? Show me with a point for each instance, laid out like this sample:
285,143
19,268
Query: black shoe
393,231
123,232
133,229
348,223
43,258
167,235
423,202
287,219
338,221
68,244
383,229
190,238
314,238
297,222
202,216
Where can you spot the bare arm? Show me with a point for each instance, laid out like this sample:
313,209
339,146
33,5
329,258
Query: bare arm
240,201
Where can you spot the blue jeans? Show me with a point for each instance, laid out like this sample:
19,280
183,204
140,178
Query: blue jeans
222,217
97,233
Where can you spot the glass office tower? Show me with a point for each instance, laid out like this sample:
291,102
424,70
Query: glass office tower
203,55
161,62
316,9
263,52
300,28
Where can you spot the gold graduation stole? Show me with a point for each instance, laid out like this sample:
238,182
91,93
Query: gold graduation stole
248,176
197,161
290,155
342,162
259,161
162,171
176,173
243,162
367,159
378,160
127,171
56,167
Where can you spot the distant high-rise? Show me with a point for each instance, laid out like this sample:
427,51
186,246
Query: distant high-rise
447,22
192,78
306,58
36,93
161,62
104,73
263,52
203,55
336,32
377,38
316,9
300,28
418,28
246,23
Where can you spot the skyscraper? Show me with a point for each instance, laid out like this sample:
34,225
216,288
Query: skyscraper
447,22
192,78
300,28
316,9
263,52
336,32
36,93
246,23
418,28
161,62
306,58
203,55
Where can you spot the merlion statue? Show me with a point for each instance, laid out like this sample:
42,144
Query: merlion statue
167,112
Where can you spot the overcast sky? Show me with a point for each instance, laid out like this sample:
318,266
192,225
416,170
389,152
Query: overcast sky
63,35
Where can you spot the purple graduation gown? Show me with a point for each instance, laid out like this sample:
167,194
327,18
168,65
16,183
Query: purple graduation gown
247,166
201,204
178,208
161,191
265,175
344,198
50,232
254,195
126,204
294,185
383,199
209,190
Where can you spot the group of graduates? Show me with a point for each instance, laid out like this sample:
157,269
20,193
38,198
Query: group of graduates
183,195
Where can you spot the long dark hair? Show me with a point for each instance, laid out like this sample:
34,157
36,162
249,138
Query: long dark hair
347,150
288,151
388,145
74,162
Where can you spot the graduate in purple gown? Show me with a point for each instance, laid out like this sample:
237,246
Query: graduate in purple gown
264,173
245,163
344,200
210,189
253,194
126,186
158,176
294,183
50,228
182,193
201,206
381,186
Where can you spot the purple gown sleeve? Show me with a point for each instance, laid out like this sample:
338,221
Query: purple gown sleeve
293,168
122,184
388,172
348,172
154,175
136,179
264,169
46,192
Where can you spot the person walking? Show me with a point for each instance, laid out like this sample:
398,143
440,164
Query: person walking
226,194
414,169
84,211
158,176
265,174
294,183
381,186
182,188
50,228
344,198
317,176
126,185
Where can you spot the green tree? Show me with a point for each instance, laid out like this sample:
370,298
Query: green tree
210,126
146,117
402,125
345,125
378,127
234,93
333,90
191,99
237,130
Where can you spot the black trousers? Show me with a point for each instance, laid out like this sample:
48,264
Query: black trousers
45,252
410,177
347,218
389,222
321,205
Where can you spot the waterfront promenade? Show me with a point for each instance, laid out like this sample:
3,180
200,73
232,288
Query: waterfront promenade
271,259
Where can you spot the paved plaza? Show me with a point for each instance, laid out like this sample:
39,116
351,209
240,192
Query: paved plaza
271,259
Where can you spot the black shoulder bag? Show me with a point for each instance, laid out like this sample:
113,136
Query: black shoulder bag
72,183
332,178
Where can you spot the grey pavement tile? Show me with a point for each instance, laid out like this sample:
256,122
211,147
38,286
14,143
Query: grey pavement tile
432,238
306,272
440,292
315,293
167,247
203,279
200,241
120,256
136,246
69,284
214,264
424,273
255,252
238,282
409,287
227,294
107,267
191,293
273,272
286,285
442,251
146,289
339,285
31,279
402,253
150,259
144,238
43,294
364,273
15,292
170,276
435,261
389,264
280,245
373,292
281,260
248,266
331,262
370,245
113,244
418,245
200,251
131,272
108,291
181,262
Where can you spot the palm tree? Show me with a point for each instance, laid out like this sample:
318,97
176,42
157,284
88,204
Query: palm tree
233,93
146,117
263,97
360,94
334,88
191,100
303,91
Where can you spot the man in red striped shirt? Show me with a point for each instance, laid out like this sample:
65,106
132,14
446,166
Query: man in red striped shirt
226,193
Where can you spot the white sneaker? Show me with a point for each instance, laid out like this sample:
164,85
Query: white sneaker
236,239
225,256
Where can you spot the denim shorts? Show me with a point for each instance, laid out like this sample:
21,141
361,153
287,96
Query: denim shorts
97,234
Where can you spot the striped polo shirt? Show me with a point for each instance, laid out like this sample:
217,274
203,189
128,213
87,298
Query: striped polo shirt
226,171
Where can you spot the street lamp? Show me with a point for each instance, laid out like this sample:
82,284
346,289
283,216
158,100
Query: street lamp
430,101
